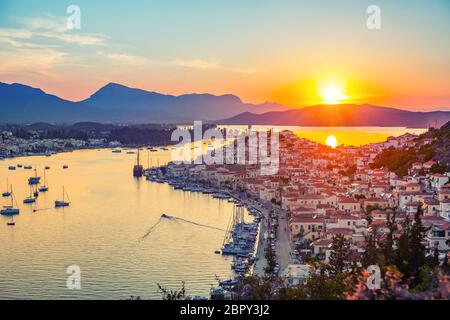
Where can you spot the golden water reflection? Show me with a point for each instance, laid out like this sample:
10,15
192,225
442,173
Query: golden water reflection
110,211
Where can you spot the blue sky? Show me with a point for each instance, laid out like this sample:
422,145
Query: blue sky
260,50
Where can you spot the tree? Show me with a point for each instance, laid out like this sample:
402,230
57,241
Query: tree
445,266
437,168
388,243
403,249
410,255
258,288
432,261
340,255
320,285
417,250
370,256
174,294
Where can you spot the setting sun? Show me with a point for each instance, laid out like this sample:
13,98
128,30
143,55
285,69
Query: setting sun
332,94
331,141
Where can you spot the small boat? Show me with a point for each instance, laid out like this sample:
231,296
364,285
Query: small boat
35,192
60,204
11,168
34,180
65,166
228,283
221,196
7,193
10,210
63,203
138,169
30,199
44,188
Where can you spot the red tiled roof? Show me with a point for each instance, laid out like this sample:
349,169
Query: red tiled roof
301,219
322,242
347,200
340,231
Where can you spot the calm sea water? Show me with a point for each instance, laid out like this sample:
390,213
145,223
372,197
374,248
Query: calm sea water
110,212
349,136
101,230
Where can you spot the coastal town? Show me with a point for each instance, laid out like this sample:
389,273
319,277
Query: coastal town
319,193
12,145
282,222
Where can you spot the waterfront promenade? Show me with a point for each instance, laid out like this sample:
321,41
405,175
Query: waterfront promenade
283,243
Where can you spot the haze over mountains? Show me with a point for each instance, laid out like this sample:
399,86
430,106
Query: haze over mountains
118,103
115,103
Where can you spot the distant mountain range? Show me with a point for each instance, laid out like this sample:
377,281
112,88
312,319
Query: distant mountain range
343,115
116,103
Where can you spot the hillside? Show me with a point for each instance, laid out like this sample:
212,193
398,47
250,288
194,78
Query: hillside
400,160
343,115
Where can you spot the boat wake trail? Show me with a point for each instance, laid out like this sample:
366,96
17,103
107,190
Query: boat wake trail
176,219
147,233
197,224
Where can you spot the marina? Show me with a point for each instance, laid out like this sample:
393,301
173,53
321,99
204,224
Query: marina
240,238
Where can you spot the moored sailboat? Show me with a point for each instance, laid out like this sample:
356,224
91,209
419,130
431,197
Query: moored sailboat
138,169
34,180
63,203
44,188
10,210
7,193
30,199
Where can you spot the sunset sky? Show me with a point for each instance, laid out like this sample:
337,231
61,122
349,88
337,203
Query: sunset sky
290,52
